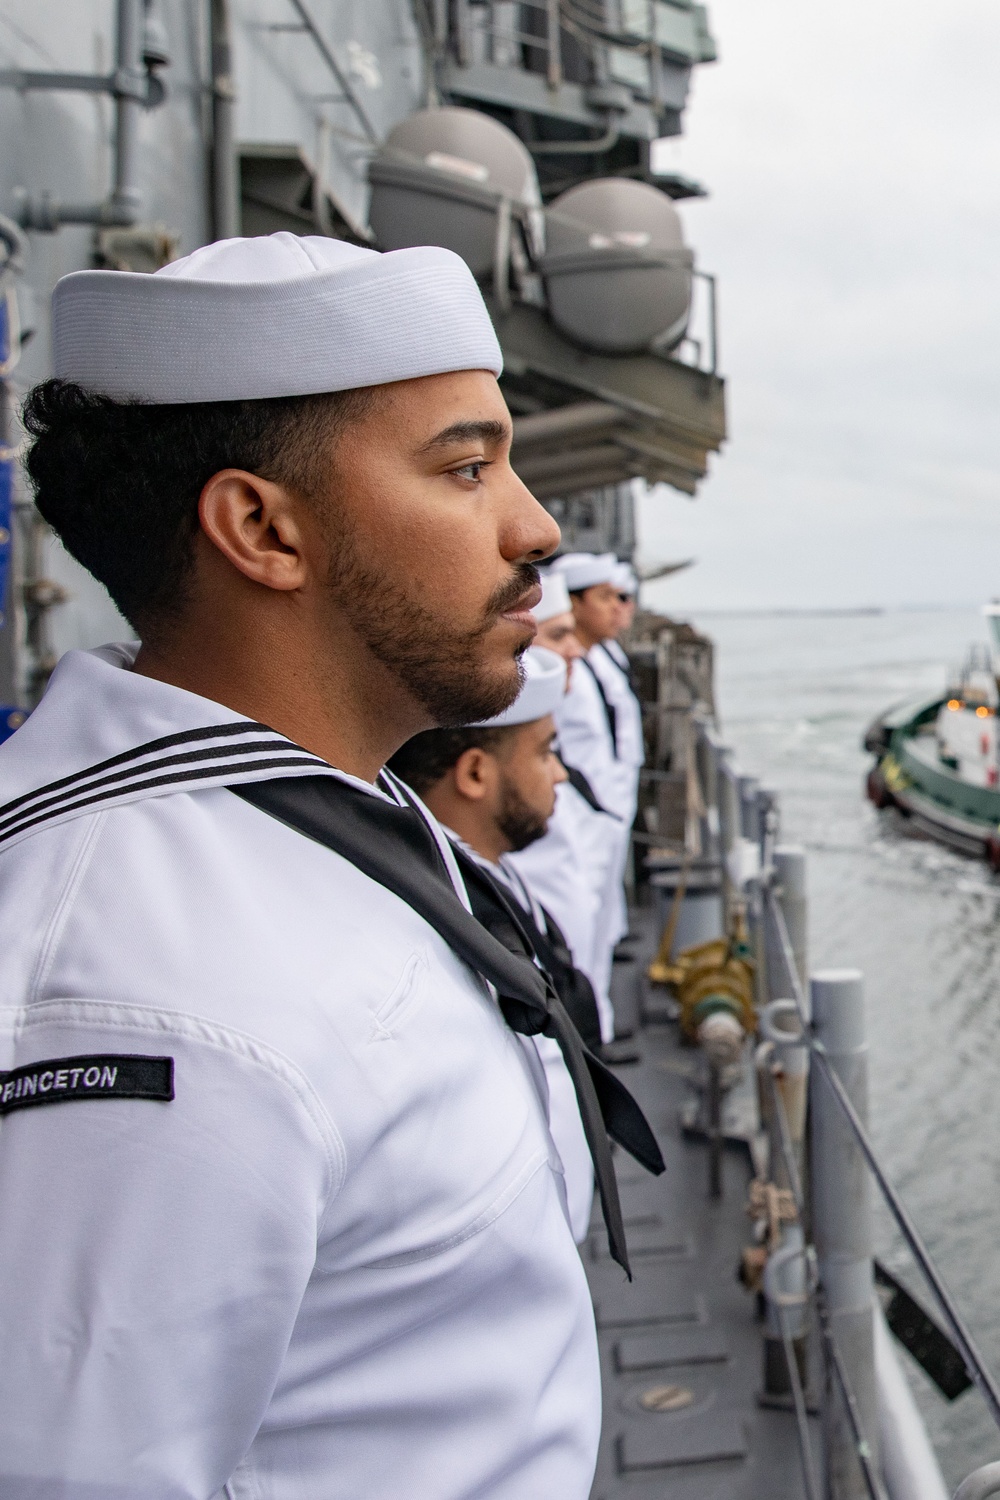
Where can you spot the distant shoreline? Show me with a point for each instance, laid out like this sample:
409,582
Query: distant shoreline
831,611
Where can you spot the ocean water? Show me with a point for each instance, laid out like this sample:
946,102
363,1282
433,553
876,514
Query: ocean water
795,694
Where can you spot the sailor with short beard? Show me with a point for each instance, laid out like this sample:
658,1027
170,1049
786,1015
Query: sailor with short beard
493,787
302,1235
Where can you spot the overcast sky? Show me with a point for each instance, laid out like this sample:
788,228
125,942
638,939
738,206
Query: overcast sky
852,154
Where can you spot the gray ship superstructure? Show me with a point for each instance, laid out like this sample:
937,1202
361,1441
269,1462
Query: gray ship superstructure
519,134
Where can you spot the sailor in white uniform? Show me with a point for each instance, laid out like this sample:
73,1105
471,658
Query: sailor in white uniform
493,787
596,612
611,663
589,738
567,868
588,732
626,581
601,612
282,1214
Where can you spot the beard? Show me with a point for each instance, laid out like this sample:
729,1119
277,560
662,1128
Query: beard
519,823
441,668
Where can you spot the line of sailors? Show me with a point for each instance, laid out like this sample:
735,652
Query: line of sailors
544,796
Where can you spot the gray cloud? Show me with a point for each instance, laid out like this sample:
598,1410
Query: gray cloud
853,156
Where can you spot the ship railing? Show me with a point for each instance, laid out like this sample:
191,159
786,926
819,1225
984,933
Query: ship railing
700,346
981,1484
825,1268
566,41
974,1362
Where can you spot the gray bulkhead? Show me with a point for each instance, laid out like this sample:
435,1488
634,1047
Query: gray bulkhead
61,143
316,88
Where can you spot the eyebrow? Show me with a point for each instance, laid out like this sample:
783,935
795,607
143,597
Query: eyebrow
488,432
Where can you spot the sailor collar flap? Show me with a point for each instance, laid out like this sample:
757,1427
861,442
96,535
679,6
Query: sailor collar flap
93,706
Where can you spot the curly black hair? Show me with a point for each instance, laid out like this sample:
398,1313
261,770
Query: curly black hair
119,482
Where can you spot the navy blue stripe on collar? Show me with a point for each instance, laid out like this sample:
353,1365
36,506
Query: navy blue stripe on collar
223,774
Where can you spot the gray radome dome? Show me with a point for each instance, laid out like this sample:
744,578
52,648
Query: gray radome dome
617,272
439,178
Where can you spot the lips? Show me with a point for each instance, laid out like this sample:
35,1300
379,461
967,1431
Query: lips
521,614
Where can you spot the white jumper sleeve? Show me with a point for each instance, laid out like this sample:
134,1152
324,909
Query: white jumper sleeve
154,1255
337,1263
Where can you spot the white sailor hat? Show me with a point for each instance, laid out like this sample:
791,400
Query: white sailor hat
582,570
555,596
625,580
280,315
544,686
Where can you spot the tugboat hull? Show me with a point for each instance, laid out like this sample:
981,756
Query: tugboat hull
910,775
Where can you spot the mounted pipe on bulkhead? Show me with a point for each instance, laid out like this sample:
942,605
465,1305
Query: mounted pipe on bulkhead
134,85
225,194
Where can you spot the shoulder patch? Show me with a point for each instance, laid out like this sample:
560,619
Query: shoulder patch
106,1075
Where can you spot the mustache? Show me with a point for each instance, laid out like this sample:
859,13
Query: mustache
524,577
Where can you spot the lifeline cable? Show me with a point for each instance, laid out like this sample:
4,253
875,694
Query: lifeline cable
963,1338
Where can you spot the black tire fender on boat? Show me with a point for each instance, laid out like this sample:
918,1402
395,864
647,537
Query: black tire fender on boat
993,852
877,737
878,792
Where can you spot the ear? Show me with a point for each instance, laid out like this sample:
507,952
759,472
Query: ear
257,526
474,774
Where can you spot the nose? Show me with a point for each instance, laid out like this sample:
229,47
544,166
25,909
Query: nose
528,533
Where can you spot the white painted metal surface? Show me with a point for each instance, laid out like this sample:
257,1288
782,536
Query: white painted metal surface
909,1463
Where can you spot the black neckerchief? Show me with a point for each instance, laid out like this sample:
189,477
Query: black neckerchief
583,788
609,708
394,846
626,669
572,985
549,945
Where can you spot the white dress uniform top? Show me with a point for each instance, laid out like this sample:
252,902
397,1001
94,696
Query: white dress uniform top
611,665
545,678
614,679
586,736
336,1264
564,1112
291,1226
562,1108
567,868
587,741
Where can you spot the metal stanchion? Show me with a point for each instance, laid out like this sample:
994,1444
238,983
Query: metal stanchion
842,1226
789,1305
749,788
730,816
715,1142
768,802
790,879
782,1065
